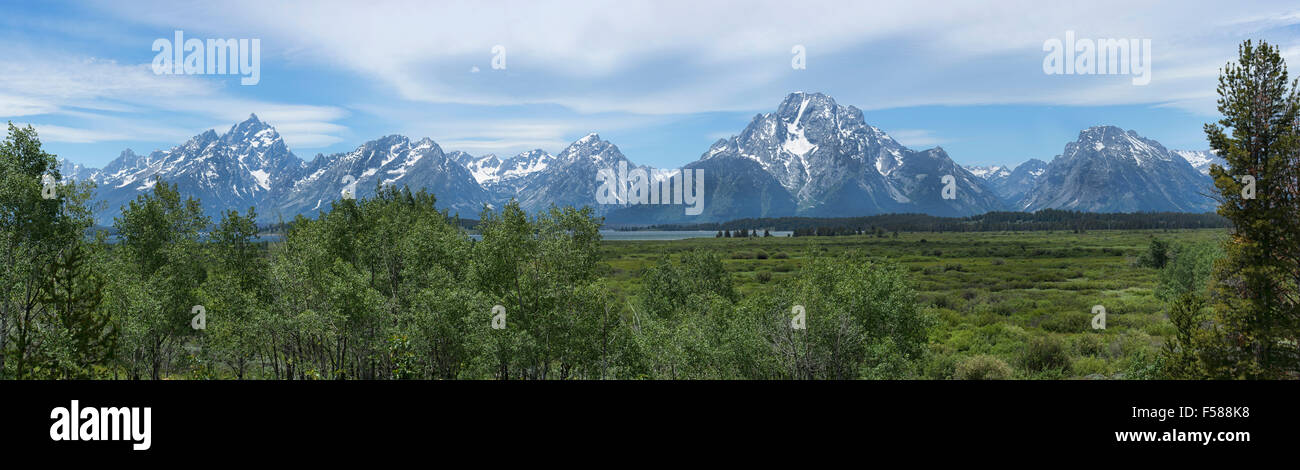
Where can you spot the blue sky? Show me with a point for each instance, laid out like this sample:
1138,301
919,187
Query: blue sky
660,79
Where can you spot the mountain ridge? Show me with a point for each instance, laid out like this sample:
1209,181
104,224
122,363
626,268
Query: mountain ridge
810,157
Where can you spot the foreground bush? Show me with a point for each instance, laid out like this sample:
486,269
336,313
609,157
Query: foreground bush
1045,353
982,367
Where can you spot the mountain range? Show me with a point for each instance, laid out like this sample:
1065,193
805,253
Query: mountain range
810,157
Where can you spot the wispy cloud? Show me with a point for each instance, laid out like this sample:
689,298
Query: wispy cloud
101,93
347,72
52,133
916,138
686,56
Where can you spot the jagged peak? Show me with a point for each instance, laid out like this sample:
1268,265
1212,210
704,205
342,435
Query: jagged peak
801,96
1101,131
210,134
388,139
251,123
794,102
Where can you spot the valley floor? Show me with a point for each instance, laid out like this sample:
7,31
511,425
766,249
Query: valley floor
1008,301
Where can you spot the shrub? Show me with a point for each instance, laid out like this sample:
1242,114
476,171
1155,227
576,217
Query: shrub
1088,345
761,254
1045,353
1069,322
1091,367
780,255
982,367
763,277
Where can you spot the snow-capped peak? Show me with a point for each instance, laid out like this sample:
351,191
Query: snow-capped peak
989,172
1201,160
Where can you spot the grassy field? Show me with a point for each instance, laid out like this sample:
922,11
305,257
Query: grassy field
999,299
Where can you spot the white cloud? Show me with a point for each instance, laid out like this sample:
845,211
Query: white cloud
15,106
105,93
663,56
916,138
623,65
52,133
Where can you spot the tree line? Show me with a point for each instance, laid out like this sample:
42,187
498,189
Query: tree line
389,287
1043,220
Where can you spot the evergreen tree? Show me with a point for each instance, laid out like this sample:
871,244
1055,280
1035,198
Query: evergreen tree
1256,295
84,336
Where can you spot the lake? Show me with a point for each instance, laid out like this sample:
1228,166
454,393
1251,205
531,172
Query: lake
665,234
612,235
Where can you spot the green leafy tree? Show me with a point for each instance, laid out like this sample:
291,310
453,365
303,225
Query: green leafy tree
235,293
861,321
1188,270
43,225
161,254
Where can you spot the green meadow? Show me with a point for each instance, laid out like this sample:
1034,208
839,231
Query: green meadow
1005,304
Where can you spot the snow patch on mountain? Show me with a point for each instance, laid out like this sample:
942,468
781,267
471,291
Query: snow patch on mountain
1201,160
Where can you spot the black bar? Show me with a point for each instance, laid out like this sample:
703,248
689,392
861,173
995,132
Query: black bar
316,419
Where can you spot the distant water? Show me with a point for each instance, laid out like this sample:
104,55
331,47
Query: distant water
664,234
655,234
607,235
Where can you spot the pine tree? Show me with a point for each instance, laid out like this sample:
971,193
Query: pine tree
1255,295
86,336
